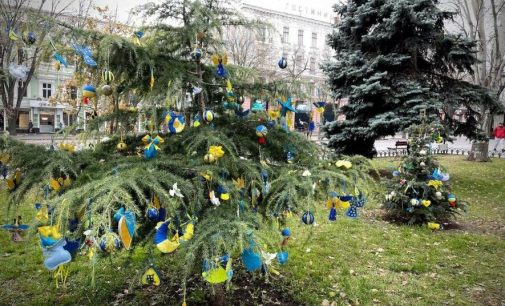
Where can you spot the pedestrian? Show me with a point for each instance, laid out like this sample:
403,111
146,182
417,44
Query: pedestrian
61,125
499,136
312,127
30,127
5,171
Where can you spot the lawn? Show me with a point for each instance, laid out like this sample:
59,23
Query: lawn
357,262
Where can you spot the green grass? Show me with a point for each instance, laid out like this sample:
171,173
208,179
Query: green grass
364,261
369,261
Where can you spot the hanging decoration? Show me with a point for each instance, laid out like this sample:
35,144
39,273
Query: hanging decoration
208,116
282,63
13,36
53,244
151,80
214,153
251,259
136,37
19,72
320,106
85,53
261,133
286,106
218,271
107,76
29,38
16,229
151,276
175,123
151,146
14,180
60,59
89,91
163,242
220,60
308,218
258,106
126,226
196,54
109,243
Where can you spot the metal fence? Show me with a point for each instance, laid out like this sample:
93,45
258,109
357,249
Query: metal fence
455,151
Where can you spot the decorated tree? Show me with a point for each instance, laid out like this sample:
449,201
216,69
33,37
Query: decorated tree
392,59
207,180
419,191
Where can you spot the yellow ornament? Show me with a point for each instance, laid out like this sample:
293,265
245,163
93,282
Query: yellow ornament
344,164
426,203
433,226
151,277
435,184
239,183
121,146
216,151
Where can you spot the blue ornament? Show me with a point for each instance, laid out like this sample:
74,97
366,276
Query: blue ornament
196,54
333,214
283,63
308,218
286,232
251,260
282,257
153,214
352,212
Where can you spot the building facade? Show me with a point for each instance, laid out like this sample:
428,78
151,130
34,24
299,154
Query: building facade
297,31
38,104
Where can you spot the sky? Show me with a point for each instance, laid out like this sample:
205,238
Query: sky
124,6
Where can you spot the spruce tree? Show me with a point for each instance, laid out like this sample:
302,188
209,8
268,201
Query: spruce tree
392,59
419,191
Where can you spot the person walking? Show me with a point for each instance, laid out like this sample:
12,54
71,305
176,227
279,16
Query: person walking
499,136
30,127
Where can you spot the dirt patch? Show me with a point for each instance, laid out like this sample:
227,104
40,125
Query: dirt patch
478,226
243,290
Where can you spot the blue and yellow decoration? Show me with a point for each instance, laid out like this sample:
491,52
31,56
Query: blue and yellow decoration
308,217
151,277
219,271
14,181
89,91
163,242
175,123
151,146
286,106
320,106
109,243
208,116
282,63
126,226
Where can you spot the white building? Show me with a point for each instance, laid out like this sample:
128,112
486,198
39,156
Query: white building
36,106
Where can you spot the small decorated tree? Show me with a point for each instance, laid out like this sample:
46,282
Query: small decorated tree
419,191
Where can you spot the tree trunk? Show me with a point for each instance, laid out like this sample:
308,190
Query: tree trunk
11,122
219,298
480,151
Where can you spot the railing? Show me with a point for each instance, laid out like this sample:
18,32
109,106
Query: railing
455,151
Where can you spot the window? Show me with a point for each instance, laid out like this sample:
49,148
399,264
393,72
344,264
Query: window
262,35
46,90
285,35
73,92
312,66
20,85
314,40
300,37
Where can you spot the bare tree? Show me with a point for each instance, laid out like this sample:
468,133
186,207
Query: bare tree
484,22
20,52
241,45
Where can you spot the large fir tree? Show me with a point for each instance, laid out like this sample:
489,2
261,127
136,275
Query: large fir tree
394,58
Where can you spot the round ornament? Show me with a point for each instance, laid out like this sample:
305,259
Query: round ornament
261,131
89,91
240,100
107,90
308,218
196,54
283,63
208,116
107,76
414,202
209,158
